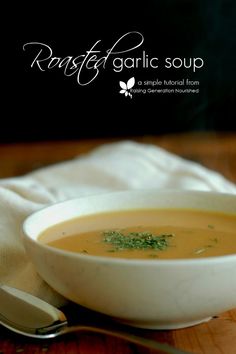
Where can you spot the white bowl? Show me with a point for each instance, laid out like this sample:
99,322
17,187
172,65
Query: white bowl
158,294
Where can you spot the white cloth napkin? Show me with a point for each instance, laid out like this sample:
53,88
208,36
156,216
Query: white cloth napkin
117,166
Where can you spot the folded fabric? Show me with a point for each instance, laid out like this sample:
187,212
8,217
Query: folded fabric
118,166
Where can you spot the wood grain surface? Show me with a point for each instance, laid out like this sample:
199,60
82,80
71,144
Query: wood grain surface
218,336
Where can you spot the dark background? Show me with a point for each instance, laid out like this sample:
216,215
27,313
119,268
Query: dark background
48,105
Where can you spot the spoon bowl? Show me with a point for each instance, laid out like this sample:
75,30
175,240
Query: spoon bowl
30,316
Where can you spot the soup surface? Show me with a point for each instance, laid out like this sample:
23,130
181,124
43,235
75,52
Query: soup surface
147,234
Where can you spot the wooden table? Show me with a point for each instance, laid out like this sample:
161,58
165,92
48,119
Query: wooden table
218,336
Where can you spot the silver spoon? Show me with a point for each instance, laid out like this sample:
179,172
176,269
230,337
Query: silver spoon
30,316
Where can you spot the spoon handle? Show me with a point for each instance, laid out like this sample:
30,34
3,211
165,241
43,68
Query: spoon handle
142,341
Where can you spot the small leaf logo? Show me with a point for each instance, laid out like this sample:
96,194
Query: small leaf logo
126,87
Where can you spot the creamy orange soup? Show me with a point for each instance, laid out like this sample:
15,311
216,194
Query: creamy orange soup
147,234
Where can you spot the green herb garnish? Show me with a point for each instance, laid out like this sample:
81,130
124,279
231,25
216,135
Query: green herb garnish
211,226
200,250
206,247
136,240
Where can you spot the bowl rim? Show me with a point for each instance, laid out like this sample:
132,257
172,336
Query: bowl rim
136,262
